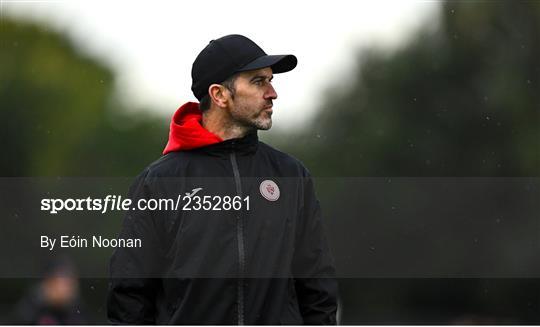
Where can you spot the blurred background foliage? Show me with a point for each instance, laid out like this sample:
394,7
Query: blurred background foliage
60,116
459,100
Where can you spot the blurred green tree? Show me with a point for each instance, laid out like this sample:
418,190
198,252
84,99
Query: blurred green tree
58,113
461,100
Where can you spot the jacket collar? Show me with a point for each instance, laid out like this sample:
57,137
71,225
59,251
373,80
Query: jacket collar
244,146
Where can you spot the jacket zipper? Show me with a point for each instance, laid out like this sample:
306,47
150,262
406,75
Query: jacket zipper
240,237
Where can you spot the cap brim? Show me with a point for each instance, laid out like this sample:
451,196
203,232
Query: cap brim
278,63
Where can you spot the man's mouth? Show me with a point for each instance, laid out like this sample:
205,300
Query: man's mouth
268,108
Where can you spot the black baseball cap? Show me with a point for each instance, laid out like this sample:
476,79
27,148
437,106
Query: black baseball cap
231,54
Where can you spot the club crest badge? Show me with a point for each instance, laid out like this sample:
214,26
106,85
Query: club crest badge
269,190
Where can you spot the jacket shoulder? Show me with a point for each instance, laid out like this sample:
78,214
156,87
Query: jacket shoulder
168,165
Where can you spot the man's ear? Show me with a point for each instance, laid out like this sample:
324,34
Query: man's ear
219,95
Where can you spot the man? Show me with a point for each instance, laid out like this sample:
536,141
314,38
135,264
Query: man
246,246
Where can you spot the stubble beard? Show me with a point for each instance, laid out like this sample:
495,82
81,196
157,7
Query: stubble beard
242,117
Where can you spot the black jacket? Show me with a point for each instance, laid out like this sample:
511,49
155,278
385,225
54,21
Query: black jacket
266,264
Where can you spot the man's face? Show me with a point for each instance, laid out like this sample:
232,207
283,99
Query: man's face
252,103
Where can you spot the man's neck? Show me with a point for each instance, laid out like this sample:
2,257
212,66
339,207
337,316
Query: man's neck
221,126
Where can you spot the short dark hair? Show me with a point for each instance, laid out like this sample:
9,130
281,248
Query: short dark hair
228,83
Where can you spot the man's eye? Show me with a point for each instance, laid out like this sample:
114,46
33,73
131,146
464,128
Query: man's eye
261,82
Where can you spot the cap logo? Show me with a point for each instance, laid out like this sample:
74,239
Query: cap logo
269,190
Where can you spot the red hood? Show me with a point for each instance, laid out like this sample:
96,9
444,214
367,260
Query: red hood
186,131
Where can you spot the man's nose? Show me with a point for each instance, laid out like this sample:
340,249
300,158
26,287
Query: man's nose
270,93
